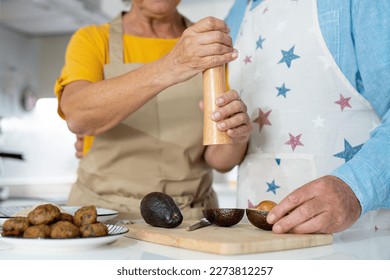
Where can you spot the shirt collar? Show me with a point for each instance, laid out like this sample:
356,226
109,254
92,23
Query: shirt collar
255,3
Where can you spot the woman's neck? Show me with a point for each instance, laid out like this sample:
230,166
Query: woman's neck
170,26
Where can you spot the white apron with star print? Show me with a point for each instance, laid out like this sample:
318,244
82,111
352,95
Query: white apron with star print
308,119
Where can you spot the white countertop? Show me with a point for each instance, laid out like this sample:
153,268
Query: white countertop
348,245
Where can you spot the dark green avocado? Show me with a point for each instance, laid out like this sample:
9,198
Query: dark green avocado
160,210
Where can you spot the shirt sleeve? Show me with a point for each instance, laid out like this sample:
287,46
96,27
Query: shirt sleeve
84,59
368,173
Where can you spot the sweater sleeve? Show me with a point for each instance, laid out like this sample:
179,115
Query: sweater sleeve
85,57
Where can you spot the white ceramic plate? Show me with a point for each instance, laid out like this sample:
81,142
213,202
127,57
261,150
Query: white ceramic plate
103,213
114,232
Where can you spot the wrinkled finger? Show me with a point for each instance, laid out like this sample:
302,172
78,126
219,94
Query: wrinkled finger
228,112
210,23
218,60
213,50
213,38
296,217
234,121
313,225
289,203
287,223
241,132
228,97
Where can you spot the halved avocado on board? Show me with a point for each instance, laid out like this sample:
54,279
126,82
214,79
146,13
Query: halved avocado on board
224,217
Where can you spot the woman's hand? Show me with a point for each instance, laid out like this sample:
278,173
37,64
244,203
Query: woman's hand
78,145
204,45
232,117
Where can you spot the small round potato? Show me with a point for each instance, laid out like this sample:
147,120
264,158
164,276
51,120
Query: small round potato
85,215
15,226
94,230
43,214
64,229
41,231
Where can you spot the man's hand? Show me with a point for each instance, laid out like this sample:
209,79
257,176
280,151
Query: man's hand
325,205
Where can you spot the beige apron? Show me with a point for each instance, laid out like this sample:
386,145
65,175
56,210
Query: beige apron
157,148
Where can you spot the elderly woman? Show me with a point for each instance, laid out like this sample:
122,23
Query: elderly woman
132,88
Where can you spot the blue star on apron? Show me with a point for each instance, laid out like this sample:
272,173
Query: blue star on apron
272,187
282,90
259,42
288,56
349,151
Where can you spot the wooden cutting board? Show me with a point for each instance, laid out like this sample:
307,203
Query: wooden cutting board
242,238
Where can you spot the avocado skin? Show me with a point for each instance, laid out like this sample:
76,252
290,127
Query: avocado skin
160,210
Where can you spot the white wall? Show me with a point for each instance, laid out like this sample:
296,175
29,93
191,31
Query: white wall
193,9
51,52
197,9
40,135
18,68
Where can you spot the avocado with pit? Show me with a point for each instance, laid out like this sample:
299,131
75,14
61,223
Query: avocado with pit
160,210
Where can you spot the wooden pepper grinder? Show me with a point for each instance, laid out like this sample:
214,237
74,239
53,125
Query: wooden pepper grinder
214,85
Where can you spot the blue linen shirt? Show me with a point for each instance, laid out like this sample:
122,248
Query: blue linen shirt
357,33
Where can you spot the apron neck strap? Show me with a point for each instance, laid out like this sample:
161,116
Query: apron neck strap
116,40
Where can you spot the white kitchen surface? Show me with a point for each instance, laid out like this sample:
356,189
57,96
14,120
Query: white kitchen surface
349,245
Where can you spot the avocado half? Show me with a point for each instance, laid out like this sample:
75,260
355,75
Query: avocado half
258,218
224,217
